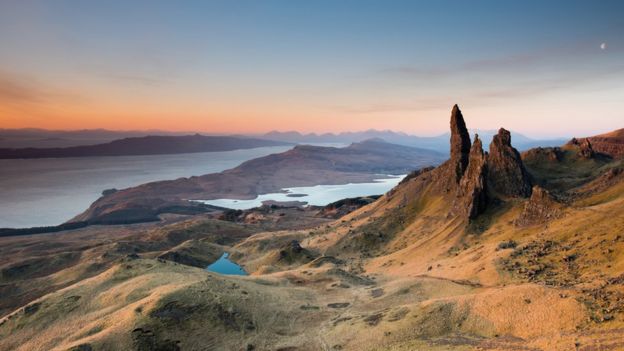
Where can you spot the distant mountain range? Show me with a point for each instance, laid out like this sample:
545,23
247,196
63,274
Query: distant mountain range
147,145
41,138
438,143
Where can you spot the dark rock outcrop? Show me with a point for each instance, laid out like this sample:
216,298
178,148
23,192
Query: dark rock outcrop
541,154
540,208
506,173
460,143
472,189
584,146
610,144
82,347
471,179
586,149
147,340
345,206
293,252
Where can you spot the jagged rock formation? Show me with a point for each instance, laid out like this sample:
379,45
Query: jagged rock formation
460,143
472,188
475,176
584,146
540,208
506,173
343,207
586,149
471,179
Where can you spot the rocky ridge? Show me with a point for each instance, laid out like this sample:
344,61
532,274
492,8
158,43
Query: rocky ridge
611,144
584,146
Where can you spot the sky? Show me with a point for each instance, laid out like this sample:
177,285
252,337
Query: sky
543,68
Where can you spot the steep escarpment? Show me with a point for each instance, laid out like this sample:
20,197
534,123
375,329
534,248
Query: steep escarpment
584,146
571,170
611,144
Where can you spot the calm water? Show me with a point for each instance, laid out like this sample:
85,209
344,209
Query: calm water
224,266
319,195
51,191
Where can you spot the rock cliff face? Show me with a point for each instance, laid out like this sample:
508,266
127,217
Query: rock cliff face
610,144
506,173
476,177
472,189
460,143
584,146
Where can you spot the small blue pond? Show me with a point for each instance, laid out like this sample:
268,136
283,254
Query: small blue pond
224,266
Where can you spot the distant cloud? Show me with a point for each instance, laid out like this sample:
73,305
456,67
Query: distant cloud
419,104
18,89
489,80
510,63
21,90
139,79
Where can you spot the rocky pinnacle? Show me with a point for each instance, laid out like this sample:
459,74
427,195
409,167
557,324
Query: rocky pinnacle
460,143
472,193
506,172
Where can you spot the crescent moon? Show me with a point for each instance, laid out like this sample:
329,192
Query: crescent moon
603,46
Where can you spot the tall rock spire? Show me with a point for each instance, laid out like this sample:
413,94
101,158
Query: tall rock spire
460,143
506,171
472,193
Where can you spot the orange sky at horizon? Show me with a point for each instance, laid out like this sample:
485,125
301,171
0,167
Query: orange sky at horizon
225,68
73,112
